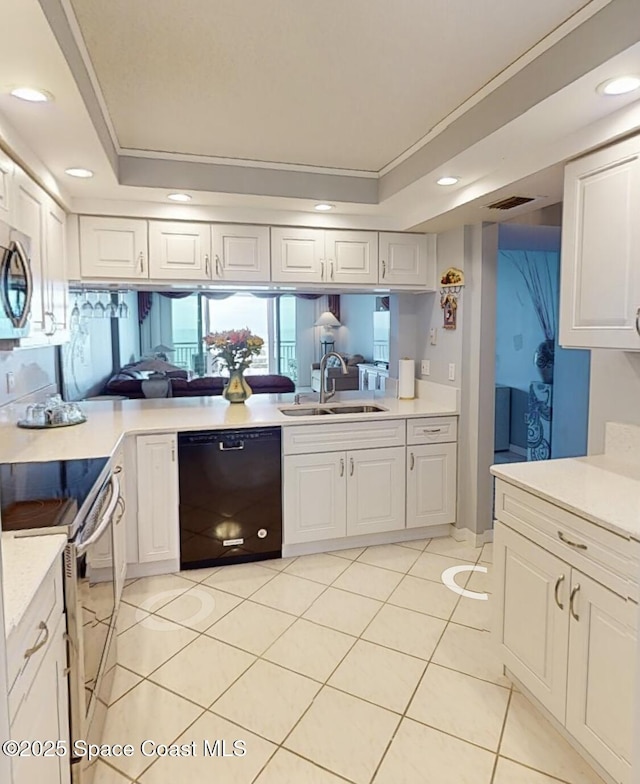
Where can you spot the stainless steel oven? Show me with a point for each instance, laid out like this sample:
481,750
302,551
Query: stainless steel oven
16,283
92,606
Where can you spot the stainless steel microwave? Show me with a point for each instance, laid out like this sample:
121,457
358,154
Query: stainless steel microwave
16,283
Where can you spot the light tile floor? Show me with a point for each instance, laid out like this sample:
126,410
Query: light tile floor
358,666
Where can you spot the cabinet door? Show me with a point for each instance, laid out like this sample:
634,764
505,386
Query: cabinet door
7,167
44,715
431,484
602,653
179,250
241,253
315,497
297,255
113,248
351,256
30,218
375,490
533,620
600,284
404,259
57,288
158,538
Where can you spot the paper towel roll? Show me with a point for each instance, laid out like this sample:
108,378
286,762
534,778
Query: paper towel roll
406,379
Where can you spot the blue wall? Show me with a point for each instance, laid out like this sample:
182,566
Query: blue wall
518,334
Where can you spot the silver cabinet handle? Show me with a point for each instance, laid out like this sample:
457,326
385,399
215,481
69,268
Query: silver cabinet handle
321,269
384,270
49,332
413,461
572,610
331,262
432,430
559,582
141,263
351,466
638,321
207,266
218,266
42,626
577,545
342,466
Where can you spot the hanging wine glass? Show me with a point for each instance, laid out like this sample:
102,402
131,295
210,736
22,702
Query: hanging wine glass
87,307
99,310
123,308
74,318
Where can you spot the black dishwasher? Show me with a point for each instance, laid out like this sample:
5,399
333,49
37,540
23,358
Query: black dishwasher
230,496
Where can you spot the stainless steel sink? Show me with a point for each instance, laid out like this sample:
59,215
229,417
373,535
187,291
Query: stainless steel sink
302,411
329,410
368,409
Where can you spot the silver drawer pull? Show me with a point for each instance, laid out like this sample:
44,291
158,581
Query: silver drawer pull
413,461
432,430
559,582
42,626
572,599
564,539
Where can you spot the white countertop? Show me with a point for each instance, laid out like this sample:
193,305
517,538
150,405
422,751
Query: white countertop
25,563
603,489
109,421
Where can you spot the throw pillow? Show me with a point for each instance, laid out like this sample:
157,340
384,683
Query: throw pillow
333,362
356,359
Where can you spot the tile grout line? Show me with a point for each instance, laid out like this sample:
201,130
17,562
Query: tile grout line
504,726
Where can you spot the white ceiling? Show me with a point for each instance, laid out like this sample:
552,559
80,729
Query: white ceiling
335,84
524,154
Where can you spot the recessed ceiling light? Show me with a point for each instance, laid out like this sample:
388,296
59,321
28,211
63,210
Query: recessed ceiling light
31,94
79,172
179,197
323,207
619,86
447,180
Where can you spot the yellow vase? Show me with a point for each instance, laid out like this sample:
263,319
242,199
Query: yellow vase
236,390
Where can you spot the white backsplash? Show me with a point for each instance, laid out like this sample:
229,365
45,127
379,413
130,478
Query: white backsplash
34,377
622,441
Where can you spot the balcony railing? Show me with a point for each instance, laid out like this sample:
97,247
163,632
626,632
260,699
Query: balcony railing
185,356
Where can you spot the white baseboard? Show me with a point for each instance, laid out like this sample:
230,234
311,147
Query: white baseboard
467,535
346,543
153,568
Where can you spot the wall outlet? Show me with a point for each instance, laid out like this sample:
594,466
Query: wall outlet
425,367
433,336
11,383
452,371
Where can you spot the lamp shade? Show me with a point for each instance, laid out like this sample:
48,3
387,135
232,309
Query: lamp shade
327,319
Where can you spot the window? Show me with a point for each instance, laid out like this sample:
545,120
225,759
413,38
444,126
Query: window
274,319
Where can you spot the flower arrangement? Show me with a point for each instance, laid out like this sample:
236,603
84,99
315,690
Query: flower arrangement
234,347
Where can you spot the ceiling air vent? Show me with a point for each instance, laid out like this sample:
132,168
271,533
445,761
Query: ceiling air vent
510,202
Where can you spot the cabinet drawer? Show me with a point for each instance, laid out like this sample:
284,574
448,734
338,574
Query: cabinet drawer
342,436
432,430
603,555
46,608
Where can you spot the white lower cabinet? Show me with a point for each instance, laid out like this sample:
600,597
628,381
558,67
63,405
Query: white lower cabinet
315,497
157,472
44,715
570,640
602,651
375,490
431,484
330,495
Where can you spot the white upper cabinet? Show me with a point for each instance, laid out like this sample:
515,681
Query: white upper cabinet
600,282
405,260
241,253
113,248
351,257
179,250
7,167
56,285
297,255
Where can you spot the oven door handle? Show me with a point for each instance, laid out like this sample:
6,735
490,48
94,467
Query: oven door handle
82,547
